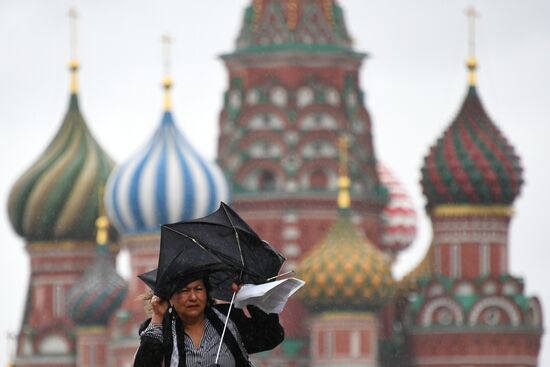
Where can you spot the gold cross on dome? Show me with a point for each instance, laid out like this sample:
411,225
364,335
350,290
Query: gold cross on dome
73,17
472,14
166,44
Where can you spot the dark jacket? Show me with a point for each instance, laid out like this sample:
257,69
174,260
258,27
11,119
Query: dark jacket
259,333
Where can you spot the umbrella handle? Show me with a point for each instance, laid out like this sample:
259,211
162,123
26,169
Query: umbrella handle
224,328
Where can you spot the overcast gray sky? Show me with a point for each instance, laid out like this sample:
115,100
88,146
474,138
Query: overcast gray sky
414,80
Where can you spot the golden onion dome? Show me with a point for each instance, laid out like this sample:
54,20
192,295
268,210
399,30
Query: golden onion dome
345,271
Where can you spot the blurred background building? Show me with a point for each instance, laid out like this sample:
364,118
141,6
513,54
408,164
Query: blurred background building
293,93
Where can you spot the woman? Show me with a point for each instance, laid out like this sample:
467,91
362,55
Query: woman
186,331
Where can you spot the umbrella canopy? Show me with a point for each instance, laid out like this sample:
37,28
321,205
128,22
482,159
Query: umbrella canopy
221,246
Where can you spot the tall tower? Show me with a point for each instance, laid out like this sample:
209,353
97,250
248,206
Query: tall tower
293,90
471,311
53,207
166,181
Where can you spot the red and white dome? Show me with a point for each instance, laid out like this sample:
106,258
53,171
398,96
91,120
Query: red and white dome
399,214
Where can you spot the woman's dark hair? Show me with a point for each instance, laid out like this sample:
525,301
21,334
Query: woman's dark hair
208,287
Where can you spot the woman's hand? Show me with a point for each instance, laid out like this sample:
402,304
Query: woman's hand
235,287
159,306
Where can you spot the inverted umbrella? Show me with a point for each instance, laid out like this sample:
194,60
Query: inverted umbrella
180,256
221,245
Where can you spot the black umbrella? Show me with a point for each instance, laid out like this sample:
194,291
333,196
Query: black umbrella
221,245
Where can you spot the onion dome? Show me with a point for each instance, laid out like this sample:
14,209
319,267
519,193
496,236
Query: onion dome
167,181
307,25
472,163
399,214
57,197
100,292
345,271
423,269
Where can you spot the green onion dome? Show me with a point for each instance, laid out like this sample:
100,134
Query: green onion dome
57,198
472,163
345,272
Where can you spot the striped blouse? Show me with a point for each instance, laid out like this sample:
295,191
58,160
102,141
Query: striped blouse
205,354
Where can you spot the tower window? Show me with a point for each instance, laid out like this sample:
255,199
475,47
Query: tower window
318,180
266,181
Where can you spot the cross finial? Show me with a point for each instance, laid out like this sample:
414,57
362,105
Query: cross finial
73,17
73,63
472,14
167,81
471,63
166,42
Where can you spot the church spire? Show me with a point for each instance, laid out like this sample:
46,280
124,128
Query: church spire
471,62
102,223
73,63
167,80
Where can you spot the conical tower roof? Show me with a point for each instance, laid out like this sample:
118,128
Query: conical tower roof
95,297
57,197
167,181
307,25
472,163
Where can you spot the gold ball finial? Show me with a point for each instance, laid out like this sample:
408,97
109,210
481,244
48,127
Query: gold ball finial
344,182
102,225
102,222
167,80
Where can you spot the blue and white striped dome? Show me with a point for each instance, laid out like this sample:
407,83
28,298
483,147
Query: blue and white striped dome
166,182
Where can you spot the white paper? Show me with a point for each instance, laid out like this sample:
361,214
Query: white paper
269,297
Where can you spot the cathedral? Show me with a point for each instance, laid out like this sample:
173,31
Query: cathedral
296,159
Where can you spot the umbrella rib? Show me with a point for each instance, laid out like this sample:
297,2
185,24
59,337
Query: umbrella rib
236,236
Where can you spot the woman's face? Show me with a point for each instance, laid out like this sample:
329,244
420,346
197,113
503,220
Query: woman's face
190,301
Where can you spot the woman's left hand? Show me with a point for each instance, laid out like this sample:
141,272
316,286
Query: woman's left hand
235,287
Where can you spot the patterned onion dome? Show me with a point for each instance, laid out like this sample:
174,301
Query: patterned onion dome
309,25
57,197
100,292
166,182
345,272
399,214
472,163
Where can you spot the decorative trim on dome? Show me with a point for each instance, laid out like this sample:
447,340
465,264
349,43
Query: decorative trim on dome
451,210
58,245
166,182
92,330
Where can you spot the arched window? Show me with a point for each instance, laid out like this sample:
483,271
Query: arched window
266,121
318,120
319,149
264,149
266,181
318,180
